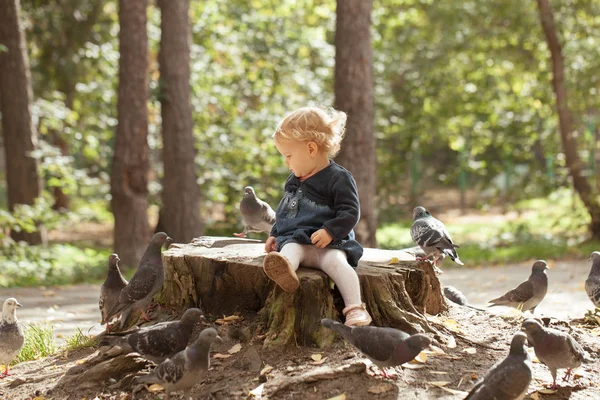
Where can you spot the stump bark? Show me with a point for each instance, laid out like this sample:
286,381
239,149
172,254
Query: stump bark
224,275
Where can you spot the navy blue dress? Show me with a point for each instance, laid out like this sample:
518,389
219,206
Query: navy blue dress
328,200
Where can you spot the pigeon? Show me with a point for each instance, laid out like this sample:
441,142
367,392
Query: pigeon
186,368
431,235
145,283
507,379
592,283
257,215
528,294
386,347
157,342
11,334
456,296
554,348
111,288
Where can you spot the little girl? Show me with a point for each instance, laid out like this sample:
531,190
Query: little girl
315,219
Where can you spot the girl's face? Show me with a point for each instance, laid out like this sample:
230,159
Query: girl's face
300,157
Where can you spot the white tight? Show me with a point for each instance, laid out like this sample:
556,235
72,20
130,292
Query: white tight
331,261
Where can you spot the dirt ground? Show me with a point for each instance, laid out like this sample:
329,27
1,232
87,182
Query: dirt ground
307,373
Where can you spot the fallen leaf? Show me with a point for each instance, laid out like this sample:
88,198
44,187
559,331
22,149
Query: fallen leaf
220,321
380,388
59,335
266,370
474,376
41,398
80,361
316,356
394,260
235,349
421,357
257,391
155,388
439,372
232,318
219,355
451,342
470,350
453,391
434,351
340,397
547,391
321,361
439,383
451,325
48,293
413,366
535,396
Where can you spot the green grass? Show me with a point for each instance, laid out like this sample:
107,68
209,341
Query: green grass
39,343
80,341
546,228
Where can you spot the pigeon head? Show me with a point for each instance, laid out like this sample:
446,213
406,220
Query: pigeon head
209,336
517,345
113,259
160,239
540,266
595,256
248,191
531,327
8,309
191,316
420,212
418,342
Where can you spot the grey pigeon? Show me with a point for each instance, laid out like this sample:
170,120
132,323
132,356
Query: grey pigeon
507,379
11,334
111,288
145,283
554,348
386,347
257,215
431,235
592,283
157,342
528,294
456,296
186,368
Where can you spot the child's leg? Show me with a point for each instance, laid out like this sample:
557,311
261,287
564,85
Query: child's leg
335,264
281,267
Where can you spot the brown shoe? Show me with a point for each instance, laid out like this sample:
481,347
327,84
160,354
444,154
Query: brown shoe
279,269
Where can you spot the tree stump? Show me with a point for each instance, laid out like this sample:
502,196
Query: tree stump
224,275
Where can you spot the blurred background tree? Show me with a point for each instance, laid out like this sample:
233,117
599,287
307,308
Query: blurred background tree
464,118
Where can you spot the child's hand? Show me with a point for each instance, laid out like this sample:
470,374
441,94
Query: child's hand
270,245
321,238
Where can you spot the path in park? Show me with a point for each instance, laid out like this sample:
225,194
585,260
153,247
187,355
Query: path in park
71,307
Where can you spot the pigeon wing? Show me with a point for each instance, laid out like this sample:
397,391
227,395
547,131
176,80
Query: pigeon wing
140,286
171,370
424,233
377,343
520,294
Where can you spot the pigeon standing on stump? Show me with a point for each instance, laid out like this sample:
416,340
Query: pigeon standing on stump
528,294
157,342
11,334
592,283
508,379
257,215
145,283
111,288
456,296
386,347
554,348
186,368
431,235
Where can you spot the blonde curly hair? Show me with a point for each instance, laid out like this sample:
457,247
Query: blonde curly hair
326,127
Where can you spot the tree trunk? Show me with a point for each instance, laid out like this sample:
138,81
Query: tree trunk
227,276
354,95
129,175
20,141
180,216
565,119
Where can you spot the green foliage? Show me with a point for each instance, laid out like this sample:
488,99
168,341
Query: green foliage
39,343
553,227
